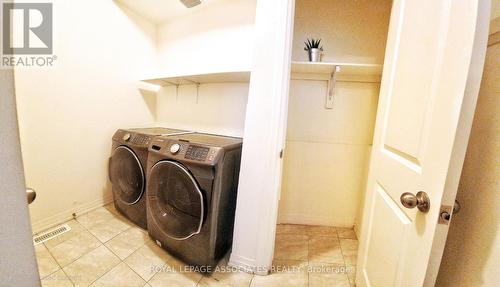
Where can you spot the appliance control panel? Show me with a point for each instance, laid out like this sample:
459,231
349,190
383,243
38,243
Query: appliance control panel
198,153
183,150
123,136
140,139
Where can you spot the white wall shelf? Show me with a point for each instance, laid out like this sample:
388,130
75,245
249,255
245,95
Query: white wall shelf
336,72
347,72
180,80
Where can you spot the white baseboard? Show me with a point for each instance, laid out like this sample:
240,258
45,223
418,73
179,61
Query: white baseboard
309,219
63,216
247,265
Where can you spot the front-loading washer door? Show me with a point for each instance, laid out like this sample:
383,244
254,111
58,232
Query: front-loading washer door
127,175
175,200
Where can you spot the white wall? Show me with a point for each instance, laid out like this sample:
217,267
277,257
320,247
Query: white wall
472,253
216,38
218,108
68,114
351,31
495,9
327,150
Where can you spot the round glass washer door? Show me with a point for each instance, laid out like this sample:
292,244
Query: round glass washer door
126,175
175,200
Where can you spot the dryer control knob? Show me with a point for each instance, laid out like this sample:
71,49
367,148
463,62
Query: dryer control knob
126,137
175,148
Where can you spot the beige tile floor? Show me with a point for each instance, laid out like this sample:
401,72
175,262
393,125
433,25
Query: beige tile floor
104,249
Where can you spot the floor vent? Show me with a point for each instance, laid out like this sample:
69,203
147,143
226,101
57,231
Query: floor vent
51,234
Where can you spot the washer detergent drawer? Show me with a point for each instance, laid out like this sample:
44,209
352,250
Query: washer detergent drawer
176,201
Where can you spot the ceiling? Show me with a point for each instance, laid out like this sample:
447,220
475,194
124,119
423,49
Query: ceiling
159,11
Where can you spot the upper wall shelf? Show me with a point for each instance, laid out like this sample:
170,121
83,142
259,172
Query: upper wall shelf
179,80
347,72
336,72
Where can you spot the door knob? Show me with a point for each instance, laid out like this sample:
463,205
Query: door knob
31,194
421,201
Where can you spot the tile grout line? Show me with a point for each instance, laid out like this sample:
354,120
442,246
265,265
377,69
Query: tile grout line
87,229
308,236
197,283
78,256
113,267
133,268
345,263
104,244
106,272
73,261
130,226
137,250
76,233
100,244
113,236
123,261
127,255
91,234
67,276
60,267
251,280
337,237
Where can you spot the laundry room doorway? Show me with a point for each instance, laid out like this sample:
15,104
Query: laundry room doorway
421,125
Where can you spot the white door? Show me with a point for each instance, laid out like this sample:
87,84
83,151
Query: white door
17,255
433,64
